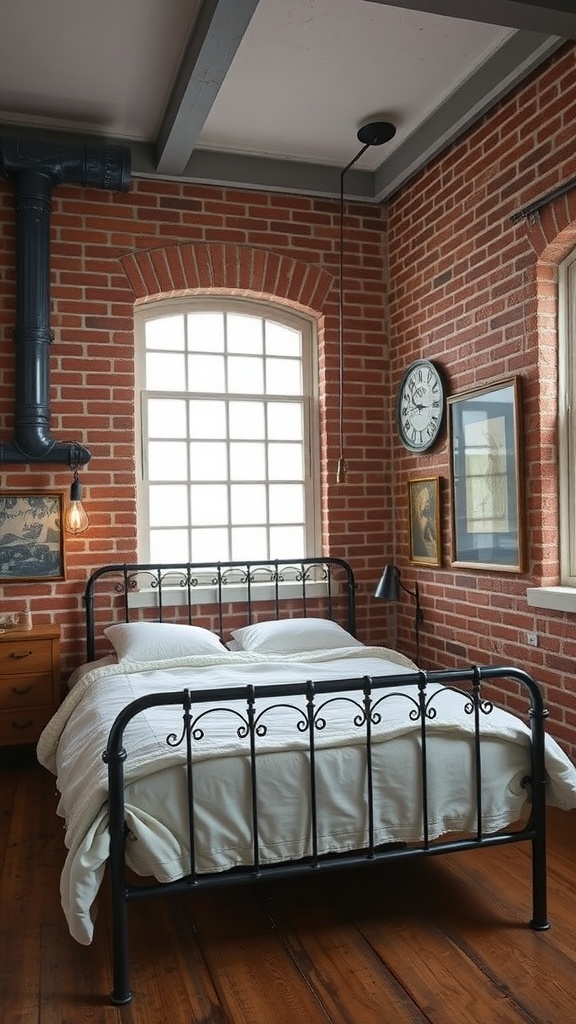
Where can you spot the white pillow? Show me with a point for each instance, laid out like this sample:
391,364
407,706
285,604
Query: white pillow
82,670
159,641
286,636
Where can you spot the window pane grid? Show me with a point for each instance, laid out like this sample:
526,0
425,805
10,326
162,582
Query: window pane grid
212,352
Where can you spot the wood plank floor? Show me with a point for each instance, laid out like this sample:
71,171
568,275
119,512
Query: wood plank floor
443,940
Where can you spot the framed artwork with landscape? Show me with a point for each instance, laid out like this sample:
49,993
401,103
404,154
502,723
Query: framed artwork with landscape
31,536
487,500
424,520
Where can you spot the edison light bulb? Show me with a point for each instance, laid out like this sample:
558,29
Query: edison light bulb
76,520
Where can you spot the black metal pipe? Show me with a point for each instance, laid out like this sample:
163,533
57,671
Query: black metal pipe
106,166
530,211
37,168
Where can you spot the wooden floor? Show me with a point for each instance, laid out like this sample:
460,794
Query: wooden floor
440,940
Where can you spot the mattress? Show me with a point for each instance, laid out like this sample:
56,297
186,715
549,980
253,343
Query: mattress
157,845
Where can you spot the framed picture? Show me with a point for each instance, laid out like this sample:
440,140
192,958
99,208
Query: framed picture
31,536
487,500
424,520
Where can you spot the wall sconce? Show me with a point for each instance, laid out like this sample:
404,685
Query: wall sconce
75,518
373,134
388,589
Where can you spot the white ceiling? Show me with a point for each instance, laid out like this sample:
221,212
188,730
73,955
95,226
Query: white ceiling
268,93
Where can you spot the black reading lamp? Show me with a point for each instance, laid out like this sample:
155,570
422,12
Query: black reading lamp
388,589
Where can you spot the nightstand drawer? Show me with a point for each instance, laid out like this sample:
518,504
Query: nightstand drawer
25,656
23,726
29,682
26,691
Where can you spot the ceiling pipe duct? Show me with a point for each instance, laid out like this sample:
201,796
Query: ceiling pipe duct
37,168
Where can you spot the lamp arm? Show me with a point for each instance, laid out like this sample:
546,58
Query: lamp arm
416,595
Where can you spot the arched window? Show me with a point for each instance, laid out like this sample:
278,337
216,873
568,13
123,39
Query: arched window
229,434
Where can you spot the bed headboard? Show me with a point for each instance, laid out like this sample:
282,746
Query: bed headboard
220,596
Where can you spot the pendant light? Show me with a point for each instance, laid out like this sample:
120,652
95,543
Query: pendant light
76,519
373,134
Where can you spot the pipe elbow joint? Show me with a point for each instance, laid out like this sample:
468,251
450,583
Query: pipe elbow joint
31,451
107,166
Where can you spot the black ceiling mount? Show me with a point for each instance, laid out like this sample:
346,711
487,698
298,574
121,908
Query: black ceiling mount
376,133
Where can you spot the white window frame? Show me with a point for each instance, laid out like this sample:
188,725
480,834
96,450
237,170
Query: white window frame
563,597
266,310
566,418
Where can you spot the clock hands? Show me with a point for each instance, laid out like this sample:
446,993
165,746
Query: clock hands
420,405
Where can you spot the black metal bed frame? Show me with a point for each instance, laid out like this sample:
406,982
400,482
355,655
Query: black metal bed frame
367,708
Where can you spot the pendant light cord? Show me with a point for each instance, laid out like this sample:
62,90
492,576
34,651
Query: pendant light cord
342,469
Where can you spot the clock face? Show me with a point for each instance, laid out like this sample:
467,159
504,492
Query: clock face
420,406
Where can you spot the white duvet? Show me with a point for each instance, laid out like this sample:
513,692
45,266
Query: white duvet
71,747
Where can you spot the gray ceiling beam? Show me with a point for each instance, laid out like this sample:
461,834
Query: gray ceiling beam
233,170
207,167
216,36
552,17
521,54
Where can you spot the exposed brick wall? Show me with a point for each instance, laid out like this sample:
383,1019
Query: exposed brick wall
477,293
469,289
109,251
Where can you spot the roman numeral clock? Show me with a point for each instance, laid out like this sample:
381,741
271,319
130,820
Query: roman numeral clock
420,405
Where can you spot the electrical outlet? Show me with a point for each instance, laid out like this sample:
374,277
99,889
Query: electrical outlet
532,639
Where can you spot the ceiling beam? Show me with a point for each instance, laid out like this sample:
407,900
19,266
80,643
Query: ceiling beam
553,17
217,34
521,54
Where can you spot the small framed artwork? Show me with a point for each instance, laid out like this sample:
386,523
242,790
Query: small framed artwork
487,500
424,520
31,536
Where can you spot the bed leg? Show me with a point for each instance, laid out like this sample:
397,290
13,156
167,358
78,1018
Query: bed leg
114,756
121,992
538,714
539,922
117,1001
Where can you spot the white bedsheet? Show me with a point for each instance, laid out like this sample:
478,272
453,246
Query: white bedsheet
71,747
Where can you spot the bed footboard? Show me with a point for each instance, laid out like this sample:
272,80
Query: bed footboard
251,714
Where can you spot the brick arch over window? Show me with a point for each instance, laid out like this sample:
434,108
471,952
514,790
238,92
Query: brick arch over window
259,274
237,269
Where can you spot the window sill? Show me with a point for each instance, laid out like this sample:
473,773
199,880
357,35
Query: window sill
562,599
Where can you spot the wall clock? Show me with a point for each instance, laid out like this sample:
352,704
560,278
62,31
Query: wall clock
420,405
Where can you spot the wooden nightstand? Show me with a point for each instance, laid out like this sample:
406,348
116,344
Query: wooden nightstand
29,682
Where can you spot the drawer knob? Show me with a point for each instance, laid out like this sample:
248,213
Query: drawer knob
20,690
18,657
22,725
